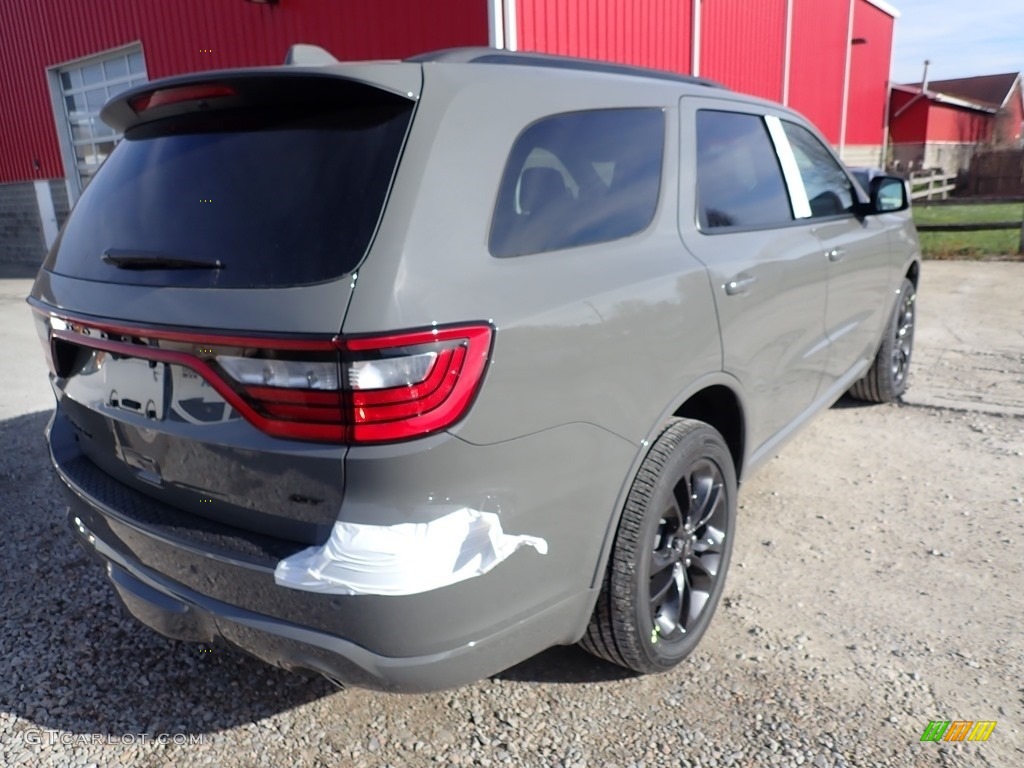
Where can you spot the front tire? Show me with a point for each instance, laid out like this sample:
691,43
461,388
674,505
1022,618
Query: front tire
886,380
671,552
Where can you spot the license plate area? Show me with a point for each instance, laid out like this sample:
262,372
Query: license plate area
134,385
194,400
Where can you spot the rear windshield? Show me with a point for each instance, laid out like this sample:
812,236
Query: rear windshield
279,196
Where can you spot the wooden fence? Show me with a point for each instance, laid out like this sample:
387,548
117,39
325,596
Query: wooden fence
931,184
995,172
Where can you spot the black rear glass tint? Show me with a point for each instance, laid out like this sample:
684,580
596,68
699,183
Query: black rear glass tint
739,180
579,178
284,195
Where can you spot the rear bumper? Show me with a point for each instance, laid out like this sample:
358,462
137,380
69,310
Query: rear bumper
181,613
191,579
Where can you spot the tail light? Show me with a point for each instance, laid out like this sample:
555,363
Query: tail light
410,384
367,389
165,97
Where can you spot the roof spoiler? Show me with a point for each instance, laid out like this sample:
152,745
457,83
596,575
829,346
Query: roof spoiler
305,55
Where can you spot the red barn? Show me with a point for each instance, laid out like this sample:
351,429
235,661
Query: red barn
940,124
829,59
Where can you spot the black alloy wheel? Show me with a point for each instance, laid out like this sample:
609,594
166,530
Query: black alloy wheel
886,379
671,552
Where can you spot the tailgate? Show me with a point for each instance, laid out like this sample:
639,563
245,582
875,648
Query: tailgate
190,307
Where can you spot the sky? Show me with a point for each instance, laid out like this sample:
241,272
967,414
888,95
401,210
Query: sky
962,38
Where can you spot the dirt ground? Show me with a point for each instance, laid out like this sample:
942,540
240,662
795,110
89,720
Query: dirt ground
970,337
877,584
889,539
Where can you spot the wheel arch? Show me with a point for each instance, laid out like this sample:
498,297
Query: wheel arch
716,400
913,273
719,407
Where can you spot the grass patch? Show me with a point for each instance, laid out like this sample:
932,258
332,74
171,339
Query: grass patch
969,245
967,214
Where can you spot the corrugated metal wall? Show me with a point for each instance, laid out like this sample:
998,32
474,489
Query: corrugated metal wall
743,44
188,35
869,74
1011,126
651,33
818,63
912,124
959,126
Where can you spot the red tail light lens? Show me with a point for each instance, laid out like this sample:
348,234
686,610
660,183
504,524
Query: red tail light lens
370,389
164,97
380,389
412,384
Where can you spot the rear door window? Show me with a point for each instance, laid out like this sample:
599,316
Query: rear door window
280,195
579,178
739,180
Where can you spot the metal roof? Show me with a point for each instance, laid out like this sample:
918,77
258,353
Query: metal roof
988,93
886,8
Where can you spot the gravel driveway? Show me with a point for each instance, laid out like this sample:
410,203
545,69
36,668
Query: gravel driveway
877,584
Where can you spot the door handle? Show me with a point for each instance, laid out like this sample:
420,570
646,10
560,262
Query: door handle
836,254
739,284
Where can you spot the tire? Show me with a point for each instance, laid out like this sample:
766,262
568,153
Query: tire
667,569
886,380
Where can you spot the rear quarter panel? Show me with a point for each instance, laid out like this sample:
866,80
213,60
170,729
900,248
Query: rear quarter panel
594,346
606,334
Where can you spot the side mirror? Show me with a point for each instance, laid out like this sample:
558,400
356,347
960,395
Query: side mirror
889,194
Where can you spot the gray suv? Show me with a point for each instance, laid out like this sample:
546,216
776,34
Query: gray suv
402,372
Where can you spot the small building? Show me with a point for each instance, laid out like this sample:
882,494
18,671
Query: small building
942,123
829,59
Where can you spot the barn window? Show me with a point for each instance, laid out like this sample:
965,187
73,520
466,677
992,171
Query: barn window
80,90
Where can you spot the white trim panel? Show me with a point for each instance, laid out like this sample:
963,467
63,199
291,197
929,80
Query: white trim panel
47,215
953,101
885,7
496,23
1013,90
787,63
67,150
846,78
790,170
511,26
695,42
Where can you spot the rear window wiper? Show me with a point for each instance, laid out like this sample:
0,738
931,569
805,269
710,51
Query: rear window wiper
150,260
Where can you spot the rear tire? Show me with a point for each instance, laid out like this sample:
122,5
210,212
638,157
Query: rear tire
886,380
671,552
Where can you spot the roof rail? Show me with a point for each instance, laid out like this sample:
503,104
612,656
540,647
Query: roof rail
481,55
305,55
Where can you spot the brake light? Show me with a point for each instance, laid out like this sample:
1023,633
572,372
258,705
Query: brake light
412,384
369,389
379,389
164,97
